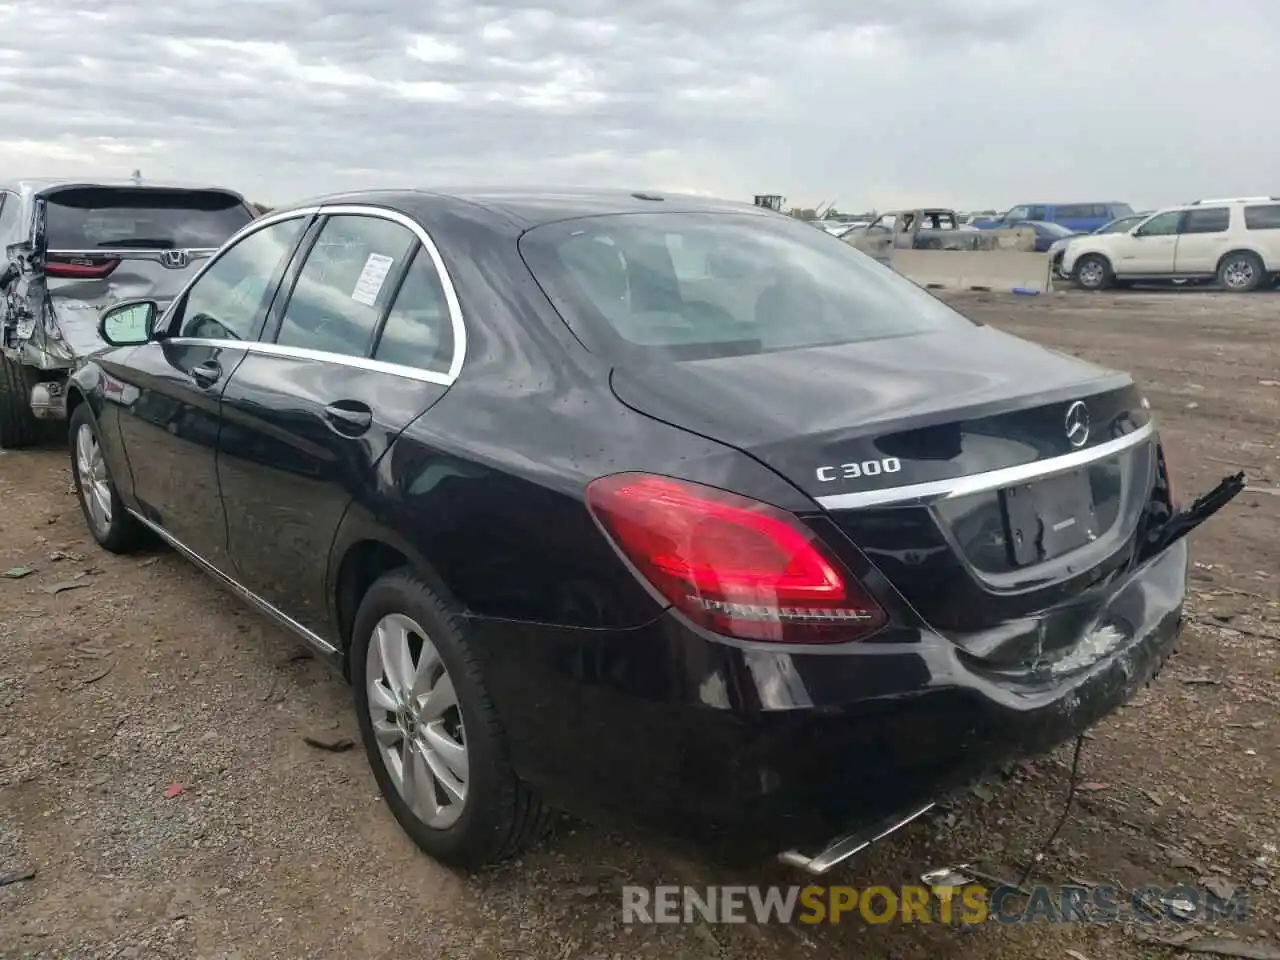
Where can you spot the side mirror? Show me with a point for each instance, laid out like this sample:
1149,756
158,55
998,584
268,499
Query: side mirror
128,324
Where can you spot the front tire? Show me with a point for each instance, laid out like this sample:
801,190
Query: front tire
19,427
430,730
1093,272
112,526
1241,272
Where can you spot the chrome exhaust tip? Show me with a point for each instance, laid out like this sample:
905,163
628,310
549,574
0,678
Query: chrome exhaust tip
841,849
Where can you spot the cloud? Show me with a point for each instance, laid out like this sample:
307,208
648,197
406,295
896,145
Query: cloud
876,102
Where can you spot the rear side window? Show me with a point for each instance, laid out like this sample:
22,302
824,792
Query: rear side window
688,285
1262,217
1206,220
1082,211
93,218
418,331
345,285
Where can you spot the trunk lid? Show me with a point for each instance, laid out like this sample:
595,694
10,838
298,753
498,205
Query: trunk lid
950,461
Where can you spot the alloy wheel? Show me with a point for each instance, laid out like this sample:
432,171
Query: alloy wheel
95,489
1238,273
1091,273
417,721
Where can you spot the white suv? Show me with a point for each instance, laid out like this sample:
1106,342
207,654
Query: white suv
1236,242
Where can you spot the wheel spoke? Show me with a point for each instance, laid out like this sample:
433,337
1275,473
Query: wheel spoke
393,651
452,753
456,790
380,698
424,676
419,783
387,732
102,498
440,699
84,454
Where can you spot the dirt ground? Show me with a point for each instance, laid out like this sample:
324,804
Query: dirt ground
144,675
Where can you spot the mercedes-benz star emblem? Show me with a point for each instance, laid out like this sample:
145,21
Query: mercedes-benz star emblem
1077,424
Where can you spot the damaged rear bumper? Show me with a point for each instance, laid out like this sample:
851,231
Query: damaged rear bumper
846,742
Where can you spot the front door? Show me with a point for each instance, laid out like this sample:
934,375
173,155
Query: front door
1151,249
362,346
170,411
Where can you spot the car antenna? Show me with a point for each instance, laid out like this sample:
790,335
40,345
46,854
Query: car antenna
137,177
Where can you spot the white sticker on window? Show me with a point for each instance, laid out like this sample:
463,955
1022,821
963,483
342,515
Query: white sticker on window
371,279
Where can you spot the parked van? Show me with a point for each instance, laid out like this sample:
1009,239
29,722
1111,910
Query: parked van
1078,217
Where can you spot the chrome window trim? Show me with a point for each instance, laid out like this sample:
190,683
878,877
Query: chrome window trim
304,353
442,274
937,490
322,356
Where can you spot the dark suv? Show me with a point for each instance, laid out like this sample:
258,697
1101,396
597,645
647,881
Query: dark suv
70,248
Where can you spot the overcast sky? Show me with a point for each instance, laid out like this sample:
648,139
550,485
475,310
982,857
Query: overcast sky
970,103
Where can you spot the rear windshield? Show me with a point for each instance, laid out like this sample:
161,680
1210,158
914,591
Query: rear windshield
695,285
152,219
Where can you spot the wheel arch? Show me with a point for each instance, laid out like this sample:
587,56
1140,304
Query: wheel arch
361,555
1237,251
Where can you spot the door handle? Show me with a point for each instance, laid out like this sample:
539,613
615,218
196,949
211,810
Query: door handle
206,374
351,418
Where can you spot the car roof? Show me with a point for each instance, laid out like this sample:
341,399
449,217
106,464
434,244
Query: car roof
36,186
525,207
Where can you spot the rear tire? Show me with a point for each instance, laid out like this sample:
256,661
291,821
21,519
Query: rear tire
430,730
19,427
112,526
1093,272
1241,272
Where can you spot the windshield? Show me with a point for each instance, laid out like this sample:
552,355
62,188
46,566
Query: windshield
1121,209
693,285
91,218
1056,230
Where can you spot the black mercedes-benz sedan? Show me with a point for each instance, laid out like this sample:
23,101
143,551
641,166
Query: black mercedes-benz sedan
641,505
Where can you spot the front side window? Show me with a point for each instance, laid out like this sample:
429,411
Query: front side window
687,285
1018,213
228,301
345,285
1207,220
419,330
1162,225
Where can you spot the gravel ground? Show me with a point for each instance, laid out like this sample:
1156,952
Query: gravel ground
153,771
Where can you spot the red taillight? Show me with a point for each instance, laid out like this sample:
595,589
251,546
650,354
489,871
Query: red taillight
80,270
733,565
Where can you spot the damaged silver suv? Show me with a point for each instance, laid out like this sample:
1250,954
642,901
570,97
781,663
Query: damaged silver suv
68,249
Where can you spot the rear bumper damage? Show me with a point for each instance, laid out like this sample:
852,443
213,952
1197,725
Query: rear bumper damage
758,751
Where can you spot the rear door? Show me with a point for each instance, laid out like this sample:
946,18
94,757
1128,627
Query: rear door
1203,237
366,340
101,244
168,392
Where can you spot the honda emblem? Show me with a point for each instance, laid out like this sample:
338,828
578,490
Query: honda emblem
175,259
